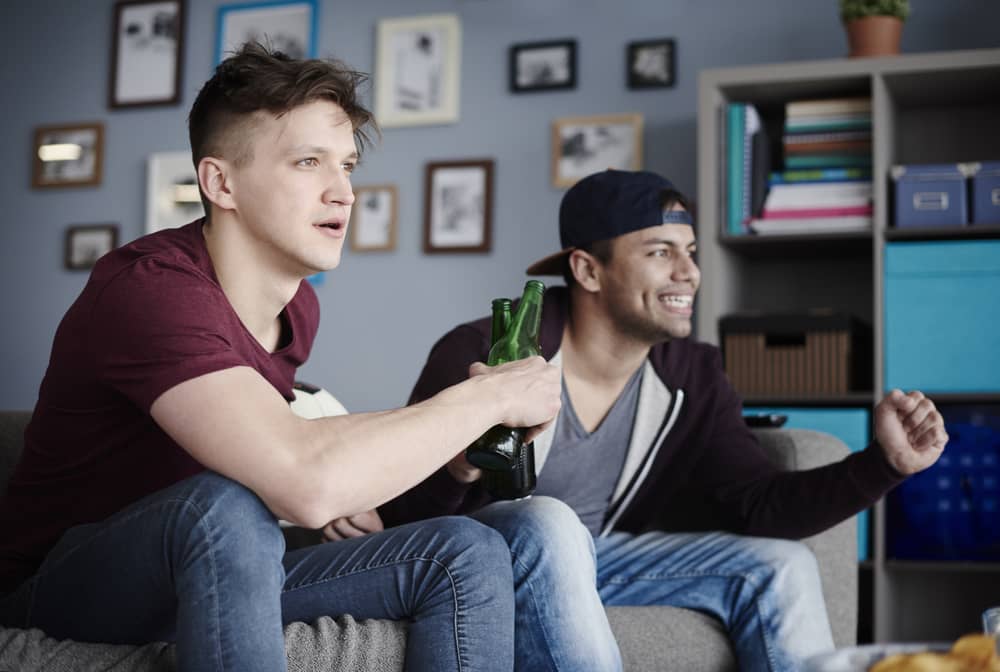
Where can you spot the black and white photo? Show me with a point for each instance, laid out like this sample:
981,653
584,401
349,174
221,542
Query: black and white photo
585,145
417,70
373,219
543,66
146,60
458,206
289,26
87,243
650,64
172,195
68,155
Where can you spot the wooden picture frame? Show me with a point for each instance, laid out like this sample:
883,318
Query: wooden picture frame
374,218
542,66
69,155
288,26
582,146
86,243
417,70
458,206
650,64
146,53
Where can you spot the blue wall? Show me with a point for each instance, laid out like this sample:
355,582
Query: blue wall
382,312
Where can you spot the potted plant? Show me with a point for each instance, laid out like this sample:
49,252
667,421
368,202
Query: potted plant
874,27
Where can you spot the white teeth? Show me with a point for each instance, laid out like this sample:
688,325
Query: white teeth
680,301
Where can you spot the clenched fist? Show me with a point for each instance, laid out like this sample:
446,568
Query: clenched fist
910,431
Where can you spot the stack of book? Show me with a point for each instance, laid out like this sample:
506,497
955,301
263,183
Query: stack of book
826,184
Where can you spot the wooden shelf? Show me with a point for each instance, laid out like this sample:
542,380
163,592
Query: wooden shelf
849,399
980,232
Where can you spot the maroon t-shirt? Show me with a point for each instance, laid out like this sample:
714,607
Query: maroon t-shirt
151,316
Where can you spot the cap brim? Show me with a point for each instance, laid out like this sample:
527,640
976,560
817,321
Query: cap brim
554,264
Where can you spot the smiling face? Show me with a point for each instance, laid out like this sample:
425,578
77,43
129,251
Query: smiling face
647,286
293,196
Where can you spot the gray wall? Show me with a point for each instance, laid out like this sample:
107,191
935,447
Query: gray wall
382,312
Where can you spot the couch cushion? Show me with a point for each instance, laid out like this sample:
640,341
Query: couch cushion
667,638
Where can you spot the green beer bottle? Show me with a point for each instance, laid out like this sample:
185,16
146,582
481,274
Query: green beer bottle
500,447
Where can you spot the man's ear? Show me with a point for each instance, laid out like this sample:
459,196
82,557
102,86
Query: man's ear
586,269
214,180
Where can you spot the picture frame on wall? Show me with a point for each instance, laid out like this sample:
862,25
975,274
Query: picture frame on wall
543,66
172,195
458,206
86,243
585,145
146,53
374,218
69,155
288,26
417,70
650,64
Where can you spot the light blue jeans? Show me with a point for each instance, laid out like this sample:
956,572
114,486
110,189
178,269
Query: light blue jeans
560,623
203,563
766,592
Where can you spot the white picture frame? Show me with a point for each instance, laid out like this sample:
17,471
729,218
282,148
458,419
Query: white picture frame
417,70
172,198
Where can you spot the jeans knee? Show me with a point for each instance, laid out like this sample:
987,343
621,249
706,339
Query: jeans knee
791,566
227,523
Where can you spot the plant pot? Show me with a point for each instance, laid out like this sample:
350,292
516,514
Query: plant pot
874,36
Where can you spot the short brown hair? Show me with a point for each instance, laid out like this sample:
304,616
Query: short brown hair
601,249
256,79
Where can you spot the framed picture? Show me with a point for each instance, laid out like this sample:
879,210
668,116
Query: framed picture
543,66
417,70
585,145
373,219
458,206
650,64
68,156
288,26
87,243
172,196
146,55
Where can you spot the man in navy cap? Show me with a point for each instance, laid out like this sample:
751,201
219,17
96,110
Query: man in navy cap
650,448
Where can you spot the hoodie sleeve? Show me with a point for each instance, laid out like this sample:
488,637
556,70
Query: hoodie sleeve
440,494
755,497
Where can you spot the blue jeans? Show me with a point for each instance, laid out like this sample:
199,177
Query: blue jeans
203,563
766,592
560,623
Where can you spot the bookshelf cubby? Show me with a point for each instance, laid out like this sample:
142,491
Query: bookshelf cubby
926,108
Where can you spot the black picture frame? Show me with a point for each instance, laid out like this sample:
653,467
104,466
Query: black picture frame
458,206
651,64
147,49
542,66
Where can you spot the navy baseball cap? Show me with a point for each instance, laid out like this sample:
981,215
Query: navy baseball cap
607,205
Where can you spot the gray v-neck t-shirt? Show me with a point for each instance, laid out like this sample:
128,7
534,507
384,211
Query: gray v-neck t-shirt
582,468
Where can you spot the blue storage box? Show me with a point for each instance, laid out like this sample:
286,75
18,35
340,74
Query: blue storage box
931,195
942,316
951,511
986,193
850,425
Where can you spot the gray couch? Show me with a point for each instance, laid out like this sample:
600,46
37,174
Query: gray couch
651,638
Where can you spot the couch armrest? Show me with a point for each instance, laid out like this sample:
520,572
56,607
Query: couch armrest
836,549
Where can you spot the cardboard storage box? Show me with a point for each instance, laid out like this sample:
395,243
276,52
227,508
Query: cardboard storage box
931,195
807,354
986,193
951,511
942,323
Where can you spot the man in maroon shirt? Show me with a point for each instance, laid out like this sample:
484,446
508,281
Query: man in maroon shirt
162,450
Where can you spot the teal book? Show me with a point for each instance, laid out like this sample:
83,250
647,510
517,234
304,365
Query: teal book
736,120
828,161
821,175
